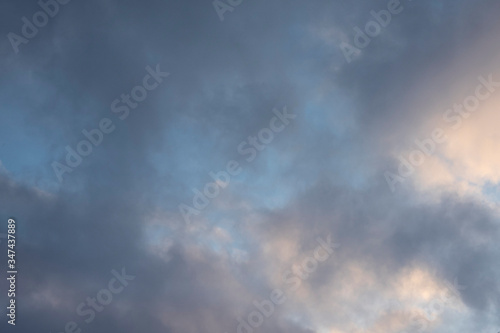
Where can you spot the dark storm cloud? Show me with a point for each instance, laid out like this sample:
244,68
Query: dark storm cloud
226,77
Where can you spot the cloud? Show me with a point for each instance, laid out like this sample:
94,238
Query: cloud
323,175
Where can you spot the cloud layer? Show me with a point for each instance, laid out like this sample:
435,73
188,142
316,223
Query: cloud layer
400,251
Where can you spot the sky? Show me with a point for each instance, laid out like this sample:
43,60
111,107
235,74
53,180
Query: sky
251,166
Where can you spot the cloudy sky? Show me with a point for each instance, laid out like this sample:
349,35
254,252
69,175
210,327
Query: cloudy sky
251,166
